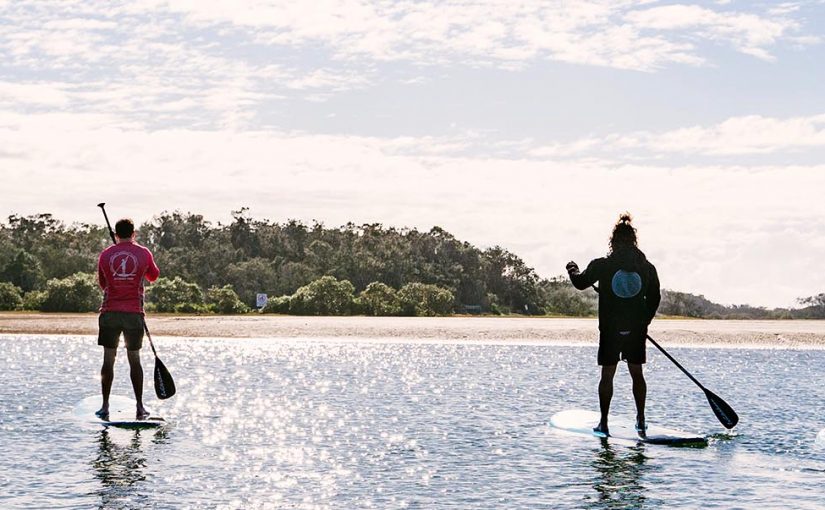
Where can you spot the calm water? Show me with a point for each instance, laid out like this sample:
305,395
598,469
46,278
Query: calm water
286,424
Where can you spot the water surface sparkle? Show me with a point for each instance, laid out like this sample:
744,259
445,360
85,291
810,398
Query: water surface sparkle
340,424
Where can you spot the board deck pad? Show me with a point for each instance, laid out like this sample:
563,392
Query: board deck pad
581,422
121,413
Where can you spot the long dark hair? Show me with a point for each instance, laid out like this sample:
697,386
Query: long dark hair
624,234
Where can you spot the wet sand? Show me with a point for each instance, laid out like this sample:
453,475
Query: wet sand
792,333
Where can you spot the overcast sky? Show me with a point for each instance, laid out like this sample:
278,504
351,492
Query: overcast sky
530,125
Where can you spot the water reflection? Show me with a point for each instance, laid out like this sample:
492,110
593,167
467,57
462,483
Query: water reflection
618,474
120,466
356,425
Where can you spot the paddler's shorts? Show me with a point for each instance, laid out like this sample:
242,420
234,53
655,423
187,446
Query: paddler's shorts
112,324
628,346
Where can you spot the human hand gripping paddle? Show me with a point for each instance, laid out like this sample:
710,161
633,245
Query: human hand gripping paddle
724,413
164,384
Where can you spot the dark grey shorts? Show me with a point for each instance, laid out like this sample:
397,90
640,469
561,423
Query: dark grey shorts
630,347
112,324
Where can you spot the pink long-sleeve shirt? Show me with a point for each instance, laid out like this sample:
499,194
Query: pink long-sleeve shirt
121,269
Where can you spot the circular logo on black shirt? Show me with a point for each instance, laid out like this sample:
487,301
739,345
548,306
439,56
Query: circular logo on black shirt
626,284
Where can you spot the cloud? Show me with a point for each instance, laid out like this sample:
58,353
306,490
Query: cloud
176,38
229,65
748,33
14,94
561,150
604,33
84,24
752,134
326,79
745,135
148,64
709,228
164,103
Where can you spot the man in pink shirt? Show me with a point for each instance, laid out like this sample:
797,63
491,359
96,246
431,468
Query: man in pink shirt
121,269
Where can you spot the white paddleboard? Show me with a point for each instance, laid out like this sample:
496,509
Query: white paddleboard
581,422
121,413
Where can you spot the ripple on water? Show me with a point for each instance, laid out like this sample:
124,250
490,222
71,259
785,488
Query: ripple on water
369,425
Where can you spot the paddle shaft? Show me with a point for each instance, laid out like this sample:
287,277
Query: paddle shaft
678,365
102,206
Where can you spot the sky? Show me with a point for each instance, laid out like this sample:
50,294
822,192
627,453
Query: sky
526,124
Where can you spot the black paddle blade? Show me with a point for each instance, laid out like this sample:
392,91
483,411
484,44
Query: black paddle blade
724,413
164,384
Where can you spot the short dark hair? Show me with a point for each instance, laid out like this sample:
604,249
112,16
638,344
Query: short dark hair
125,228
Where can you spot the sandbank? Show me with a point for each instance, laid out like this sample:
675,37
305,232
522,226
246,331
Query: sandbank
776,333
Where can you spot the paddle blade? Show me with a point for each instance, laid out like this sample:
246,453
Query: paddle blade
164,384
724,413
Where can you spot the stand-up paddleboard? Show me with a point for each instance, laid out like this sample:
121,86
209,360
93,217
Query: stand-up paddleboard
581,422
121,413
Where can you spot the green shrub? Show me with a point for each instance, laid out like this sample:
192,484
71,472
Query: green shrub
490,303
224,300
278,304
379,299
165,295
425,300
561,298
11,296
498,309
79,292
325,296
33,300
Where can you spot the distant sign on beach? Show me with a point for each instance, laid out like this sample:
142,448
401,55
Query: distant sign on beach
260,300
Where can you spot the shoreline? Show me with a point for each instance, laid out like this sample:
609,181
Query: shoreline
688,332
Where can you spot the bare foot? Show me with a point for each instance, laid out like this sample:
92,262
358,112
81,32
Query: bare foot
103,413
601,430
142,413
641,428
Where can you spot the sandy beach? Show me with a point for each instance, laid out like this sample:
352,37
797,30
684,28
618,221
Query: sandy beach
526,329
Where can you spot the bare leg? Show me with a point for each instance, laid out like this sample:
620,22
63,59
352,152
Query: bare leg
639,393
107,375
605,395
136,374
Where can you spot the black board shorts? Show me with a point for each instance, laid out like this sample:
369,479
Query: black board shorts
630,347
112,324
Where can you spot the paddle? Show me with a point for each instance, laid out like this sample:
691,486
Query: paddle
164,384
724,413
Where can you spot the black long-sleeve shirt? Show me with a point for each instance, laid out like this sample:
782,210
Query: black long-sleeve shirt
629,293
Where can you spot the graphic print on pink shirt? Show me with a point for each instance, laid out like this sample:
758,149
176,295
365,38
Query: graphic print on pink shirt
121,270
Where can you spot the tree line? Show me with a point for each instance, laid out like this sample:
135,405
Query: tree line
312,269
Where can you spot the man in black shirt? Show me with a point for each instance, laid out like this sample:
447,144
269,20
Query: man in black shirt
628,299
